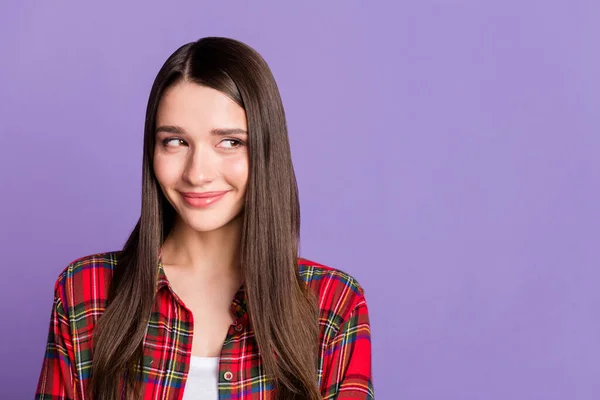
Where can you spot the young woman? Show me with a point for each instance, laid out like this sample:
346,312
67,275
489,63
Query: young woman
209,299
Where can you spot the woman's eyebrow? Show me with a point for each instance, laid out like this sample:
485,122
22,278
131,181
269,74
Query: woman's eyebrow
170,129
230,131
215,131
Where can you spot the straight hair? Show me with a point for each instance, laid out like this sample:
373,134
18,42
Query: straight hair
283,312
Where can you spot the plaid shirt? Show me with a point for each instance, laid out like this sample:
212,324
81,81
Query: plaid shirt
80,297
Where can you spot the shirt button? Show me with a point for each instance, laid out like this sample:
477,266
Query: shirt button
228,376
239,327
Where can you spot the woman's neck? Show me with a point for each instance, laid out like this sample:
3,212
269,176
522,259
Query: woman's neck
213,254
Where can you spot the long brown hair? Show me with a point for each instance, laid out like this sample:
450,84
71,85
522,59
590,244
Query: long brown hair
283,312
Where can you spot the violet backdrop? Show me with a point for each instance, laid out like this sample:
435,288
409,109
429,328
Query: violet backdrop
447,155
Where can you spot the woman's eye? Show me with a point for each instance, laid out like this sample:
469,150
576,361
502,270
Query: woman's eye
173,142
231,143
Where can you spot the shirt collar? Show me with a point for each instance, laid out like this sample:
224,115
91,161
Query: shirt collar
239,304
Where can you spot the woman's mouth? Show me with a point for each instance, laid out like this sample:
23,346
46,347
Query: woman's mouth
203,199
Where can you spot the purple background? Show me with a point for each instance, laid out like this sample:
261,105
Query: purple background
447,154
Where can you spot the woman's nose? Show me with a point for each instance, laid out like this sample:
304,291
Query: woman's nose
201,167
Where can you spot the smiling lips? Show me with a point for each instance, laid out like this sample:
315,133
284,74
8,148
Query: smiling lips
204,199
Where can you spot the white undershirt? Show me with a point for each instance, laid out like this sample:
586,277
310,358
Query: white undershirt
202,379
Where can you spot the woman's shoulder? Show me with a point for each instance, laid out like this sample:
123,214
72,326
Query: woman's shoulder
316,273
338,292
86,280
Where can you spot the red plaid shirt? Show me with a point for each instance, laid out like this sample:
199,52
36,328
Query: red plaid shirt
80,297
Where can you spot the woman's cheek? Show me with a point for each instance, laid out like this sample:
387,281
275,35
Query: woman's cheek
167,169
238,168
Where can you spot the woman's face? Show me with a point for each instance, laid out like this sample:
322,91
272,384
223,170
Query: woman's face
201,155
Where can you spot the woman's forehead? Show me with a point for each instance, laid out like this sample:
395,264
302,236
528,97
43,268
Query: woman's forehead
197,107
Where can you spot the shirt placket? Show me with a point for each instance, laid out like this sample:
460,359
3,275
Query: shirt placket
230,362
